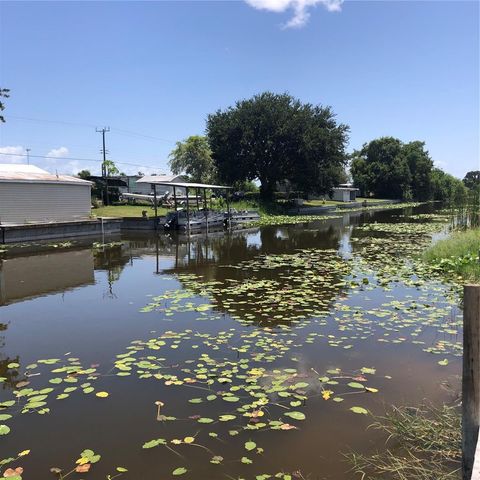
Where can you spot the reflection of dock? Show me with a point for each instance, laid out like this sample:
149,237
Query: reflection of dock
24,277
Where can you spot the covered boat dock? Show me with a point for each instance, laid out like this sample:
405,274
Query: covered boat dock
203,187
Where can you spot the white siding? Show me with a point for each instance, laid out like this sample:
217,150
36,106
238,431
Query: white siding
43,202
340,195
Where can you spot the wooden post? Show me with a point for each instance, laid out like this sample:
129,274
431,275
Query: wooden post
205,206
471,377
228,208
155,204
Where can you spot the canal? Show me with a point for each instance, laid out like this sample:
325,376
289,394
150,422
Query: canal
259,352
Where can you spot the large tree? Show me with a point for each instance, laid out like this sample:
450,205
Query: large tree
472,180
447,188
194,158
388,168
85,174
274,137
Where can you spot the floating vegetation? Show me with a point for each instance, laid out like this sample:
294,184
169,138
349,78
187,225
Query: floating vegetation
231,363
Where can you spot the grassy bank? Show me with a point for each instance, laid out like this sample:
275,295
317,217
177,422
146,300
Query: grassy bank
425,444
126,211
457,255
272,213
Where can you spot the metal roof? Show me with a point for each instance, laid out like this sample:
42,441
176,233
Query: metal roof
31,174
168,179
152,180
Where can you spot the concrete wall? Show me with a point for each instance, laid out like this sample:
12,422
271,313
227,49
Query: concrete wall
43,202
61,230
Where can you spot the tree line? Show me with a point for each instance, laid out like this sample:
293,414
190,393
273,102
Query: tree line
276,139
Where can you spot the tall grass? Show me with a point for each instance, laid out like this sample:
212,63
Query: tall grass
425,445
458,255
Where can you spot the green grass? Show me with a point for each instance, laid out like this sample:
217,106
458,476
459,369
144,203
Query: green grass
372,200
458,255
126,211
425,445
321,203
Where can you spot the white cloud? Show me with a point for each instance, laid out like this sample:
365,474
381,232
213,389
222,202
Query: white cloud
300,8
440,164
13,154
58,152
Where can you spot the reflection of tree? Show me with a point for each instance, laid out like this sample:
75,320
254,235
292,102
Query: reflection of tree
11,375
308,285
111,259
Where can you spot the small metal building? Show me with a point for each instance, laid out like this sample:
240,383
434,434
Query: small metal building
344,194
29,194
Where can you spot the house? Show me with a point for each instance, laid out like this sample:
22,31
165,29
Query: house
345,192
29,194
146,188
161,189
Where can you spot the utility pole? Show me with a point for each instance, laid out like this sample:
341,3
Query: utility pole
28,155
104,166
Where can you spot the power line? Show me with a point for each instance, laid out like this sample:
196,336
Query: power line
78,159
118,131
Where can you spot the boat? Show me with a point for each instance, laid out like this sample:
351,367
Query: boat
243,217
206,219
194,220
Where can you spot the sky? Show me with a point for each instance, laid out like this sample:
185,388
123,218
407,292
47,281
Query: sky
153,71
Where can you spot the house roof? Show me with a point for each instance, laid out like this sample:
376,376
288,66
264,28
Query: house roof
160,179
346,189
15,173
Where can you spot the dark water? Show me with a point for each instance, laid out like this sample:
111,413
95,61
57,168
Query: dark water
83,302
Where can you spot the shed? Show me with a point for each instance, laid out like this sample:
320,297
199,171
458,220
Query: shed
29,194
344,194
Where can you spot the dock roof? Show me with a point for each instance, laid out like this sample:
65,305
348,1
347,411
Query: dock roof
152,180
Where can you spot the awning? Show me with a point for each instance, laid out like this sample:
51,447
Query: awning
182,184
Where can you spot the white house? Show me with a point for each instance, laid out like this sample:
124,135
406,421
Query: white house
29,194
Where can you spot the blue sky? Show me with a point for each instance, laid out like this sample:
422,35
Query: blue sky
153,71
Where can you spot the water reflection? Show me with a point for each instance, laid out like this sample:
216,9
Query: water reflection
30,276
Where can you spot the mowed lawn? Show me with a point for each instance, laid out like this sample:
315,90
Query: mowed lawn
127,211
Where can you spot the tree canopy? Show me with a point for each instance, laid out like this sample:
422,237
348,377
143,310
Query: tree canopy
472,180
273,138
193,157
85,174
389,168
110,168
447,188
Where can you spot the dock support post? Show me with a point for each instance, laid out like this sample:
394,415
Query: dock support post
205,206
228,209
155,205
471,380
188,212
